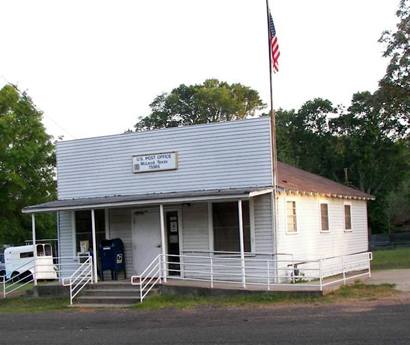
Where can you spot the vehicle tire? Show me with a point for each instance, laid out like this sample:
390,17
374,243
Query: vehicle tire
26,277
14,277
2,275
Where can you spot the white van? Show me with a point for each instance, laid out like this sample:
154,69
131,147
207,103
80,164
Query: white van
19,261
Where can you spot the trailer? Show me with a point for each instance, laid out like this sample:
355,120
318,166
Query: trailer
21,261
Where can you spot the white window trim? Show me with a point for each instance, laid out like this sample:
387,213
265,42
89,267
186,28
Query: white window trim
286,218
107,223
73,227
251,225
351,218
177,209
320,216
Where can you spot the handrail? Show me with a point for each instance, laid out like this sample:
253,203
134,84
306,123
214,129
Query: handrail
269,272
152,272
266,273
47,267
82,273
236,253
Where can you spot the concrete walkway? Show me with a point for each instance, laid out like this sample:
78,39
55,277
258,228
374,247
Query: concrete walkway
399,277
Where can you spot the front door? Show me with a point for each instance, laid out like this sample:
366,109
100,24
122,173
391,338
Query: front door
172,223
146,237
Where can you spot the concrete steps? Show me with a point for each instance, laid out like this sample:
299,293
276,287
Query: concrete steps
112,293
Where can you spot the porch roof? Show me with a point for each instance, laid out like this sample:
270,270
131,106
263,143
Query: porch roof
147,199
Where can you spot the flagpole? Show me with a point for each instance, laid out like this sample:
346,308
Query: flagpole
274,199
272,113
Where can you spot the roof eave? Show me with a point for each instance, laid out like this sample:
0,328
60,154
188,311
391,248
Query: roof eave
327,195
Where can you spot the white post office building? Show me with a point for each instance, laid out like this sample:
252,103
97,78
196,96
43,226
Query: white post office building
196,206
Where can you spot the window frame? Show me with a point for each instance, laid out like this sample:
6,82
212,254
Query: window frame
295,215
211,230
344,217
324,202
74,229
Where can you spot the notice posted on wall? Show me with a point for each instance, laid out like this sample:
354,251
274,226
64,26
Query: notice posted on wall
154,162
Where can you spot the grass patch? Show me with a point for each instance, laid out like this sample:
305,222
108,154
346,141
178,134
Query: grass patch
30,304
361,291
356,291
391,258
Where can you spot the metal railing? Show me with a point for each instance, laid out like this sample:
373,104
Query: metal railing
259,270
267,273
150,277
38,269
19,280
80,278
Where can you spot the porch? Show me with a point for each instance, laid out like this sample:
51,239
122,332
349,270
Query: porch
198,274
221,239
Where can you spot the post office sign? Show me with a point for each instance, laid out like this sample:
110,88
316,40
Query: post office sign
154,162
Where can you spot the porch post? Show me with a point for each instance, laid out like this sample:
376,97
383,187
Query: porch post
163,243
33,229
241,243
94,245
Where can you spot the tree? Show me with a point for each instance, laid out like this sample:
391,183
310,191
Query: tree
211,101
26,166
304,138
376,156
394,91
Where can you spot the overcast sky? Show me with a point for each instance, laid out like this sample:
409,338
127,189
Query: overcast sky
93,67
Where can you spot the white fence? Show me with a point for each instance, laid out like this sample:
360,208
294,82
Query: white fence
262,271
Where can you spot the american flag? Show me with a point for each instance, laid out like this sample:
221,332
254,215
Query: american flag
274,46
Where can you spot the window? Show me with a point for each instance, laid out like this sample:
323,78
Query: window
83,229
324,215
226,226
348,217
26,255
291,216
40,250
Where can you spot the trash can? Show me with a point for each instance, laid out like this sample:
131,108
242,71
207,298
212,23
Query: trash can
112,257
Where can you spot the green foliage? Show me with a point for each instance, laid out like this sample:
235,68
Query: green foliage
357,291
33,305
304,138
362,141
376,153
395,86
212,101
391,259
26,167
398,207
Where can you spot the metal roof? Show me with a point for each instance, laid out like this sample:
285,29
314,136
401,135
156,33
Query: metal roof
146,199
292,179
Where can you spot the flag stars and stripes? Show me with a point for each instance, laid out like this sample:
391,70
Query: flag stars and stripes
274,46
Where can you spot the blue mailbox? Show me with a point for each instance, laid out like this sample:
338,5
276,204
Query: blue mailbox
112,257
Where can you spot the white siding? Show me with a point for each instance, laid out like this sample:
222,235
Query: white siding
215,156
196,238
195,233
65,242
195,227
65,234
309,242
263,224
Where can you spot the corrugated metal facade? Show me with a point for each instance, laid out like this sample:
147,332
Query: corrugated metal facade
215,156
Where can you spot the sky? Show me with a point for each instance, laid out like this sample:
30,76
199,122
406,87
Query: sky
94,66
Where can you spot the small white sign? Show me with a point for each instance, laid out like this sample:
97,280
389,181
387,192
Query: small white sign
154,162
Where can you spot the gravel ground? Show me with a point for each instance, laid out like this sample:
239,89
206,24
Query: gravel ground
371,322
